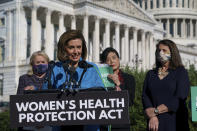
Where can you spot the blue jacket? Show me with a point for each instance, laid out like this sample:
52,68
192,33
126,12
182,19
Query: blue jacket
90,79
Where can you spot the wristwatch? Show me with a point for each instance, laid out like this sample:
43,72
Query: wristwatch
156,111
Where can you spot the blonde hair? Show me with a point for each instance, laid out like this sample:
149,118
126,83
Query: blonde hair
32,58
38,53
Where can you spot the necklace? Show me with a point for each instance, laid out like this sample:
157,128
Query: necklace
162,73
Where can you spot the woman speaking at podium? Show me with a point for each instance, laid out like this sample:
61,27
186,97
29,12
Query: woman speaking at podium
72,72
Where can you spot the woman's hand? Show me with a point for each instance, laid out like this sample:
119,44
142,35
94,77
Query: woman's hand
29,88
153,124
150,112
162,108
115,79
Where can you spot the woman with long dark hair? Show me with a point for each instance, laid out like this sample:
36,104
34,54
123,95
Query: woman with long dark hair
165,90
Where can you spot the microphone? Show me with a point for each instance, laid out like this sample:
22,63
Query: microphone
84,64
51,65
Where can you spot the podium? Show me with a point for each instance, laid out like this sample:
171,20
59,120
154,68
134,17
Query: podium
54,108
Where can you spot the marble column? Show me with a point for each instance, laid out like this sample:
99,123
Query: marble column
34,27
135,32
96,42
49,42
180,3
152,52
86,30
147,51
117,38
191,4
61,24
160,4
183,31
8,46
168,27
148,5
196,28
73,22
131,57
173,3
143,49
167,3
143,4
175,27
154,4
107,33
185,3
191,28
126,35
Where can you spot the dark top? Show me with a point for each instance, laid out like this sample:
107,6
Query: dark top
29,80
127,82
171,91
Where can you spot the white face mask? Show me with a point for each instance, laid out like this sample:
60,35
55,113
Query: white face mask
164,57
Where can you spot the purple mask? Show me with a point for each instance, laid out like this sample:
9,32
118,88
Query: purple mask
40,69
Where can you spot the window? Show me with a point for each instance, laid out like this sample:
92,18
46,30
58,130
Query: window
1,84
2,22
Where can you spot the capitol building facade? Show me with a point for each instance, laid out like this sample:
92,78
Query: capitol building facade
132,27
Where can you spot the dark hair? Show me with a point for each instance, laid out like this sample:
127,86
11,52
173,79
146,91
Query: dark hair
63,42
103,56
175,60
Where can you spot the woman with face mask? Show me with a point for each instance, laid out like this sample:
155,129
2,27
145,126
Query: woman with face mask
165,91
35,78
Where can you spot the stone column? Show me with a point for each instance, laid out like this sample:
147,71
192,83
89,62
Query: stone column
173,3
117,38
61,24
160,4
151,63
126,35
131,52
143,4
96,43
185,3
147,51
143,49
196,28
191,28
107,33
34,27
122,52
8,46
167,3
148,4
135,30
49,42
191,4
180,4
154,4
168,27
73,22
183,31
86,30
175,27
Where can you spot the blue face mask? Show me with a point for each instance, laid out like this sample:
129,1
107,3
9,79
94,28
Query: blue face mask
40,69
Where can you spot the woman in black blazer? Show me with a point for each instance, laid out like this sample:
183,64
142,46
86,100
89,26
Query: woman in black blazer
123,81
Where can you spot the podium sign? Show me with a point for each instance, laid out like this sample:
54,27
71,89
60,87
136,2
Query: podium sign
83,108
194,102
